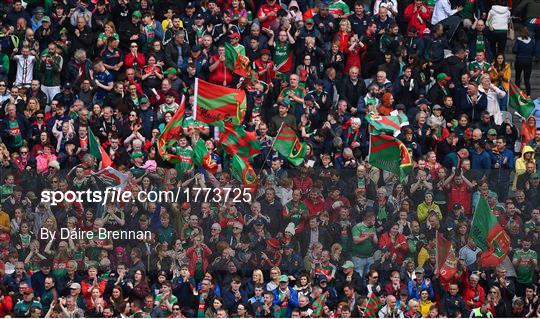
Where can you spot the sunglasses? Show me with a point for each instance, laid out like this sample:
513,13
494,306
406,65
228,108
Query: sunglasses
176,309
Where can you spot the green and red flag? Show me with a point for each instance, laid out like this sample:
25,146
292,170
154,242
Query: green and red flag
243,172
390,124
236,140
372,309
519,101
447,262
390,154
203,158
98,151
170,134
288,145
236,62
489,235
214,103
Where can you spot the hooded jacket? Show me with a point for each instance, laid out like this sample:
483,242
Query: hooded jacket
498,18
521,162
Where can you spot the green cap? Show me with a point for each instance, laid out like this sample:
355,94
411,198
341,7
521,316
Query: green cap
143,100
443,76
170,71
348,264
309,20
283,278
137,14
136,155
46,19
492,131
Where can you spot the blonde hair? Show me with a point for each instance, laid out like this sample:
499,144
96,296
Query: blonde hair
260,275
110,24
346,23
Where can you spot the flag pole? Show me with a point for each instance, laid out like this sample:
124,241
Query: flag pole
271,147
195,96
437,250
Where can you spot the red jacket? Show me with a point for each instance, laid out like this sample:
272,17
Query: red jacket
130,60
86,284
191,253
400,251
419,18
6,306
477,295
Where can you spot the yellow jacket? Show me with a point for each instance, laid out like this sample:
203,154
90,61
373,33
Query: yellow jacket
501,78
521,163
422,211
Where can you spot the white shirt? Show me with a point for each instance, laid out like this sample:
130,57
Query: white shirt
441,11
25,69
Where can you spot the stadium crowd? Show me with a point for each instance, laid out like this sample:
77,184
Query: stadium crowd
333,237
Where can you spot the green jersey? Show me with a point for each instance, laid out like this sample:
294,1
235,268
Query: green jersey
525,266
283,57
364,249
163,305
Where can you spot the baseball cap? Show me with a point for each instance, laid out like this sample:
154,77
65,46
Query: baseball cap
28,290
170,71
322,278
196,48
75,285
443,76
492,131
423,101
265,51
199,16
46,19
190,5
136,155
437,107
419,270
283,278
309,20
137,14
67,85
234,35
348,264
185,205
143,100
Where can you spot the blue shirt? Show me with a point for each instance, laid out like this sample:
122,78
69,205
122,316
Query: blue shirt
104,78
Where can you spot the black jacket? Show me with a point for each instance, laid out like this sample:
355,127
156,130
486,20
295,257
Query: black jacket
352,92
171,54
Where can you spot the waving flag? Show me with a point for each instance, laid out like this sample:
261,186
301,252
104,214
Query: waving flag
235,140
390,154
238,63
97,150
203,158
390,124
519,101
170,134
243,172
214,103
447,263
288,145
489,235
110,177
374,303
